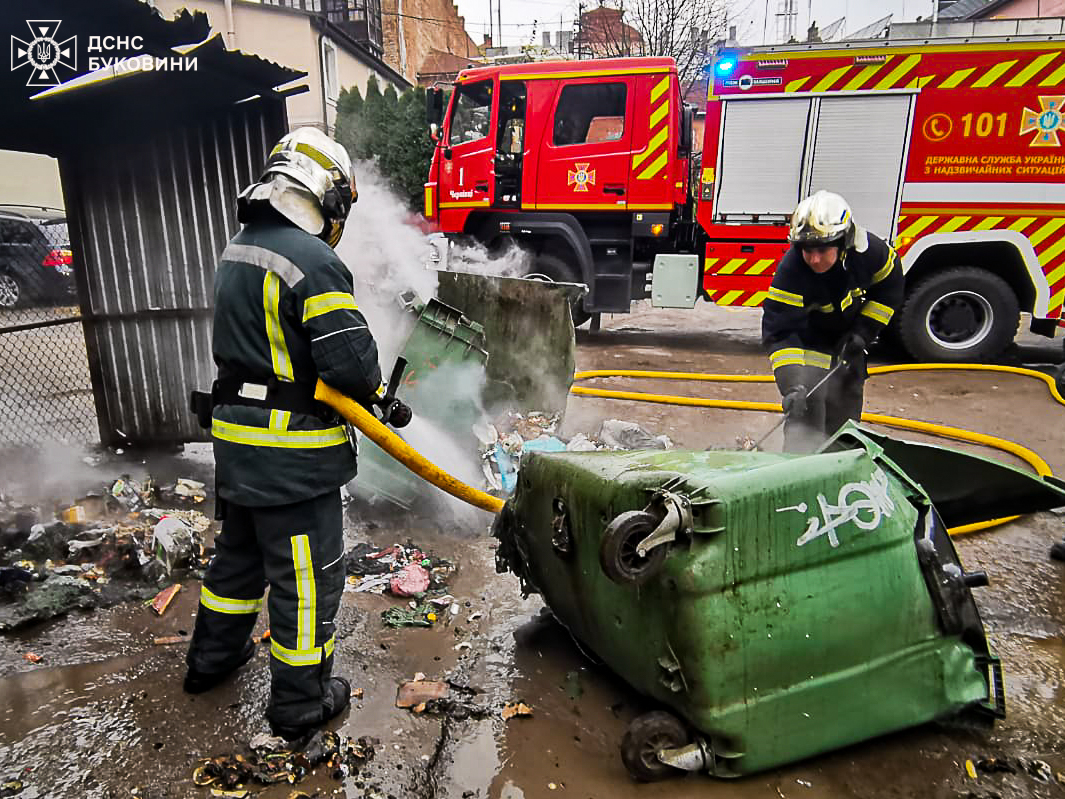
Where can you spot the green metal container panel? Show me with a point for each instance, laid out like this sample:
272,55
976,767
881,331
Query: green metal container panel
817,600
446,358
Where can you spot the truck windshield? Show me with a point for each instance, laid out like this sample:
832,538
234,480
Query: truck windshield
472,113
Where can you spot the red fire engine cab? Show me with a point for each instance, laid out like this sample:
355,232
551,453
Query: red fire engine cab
951,151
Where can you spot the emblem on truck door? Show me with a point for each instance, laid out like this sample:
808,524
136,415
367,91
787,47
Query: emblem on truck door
582,178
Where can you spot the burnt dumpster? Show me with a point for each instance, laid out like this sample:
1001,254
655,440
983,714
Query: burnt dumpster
777,606
445,355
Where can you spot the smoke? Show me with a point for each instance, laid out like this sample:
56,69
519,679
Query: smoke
388,254
473,257
50,471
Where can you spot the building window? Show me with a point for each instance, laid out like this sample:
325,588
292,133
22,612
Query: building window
360,18
329,70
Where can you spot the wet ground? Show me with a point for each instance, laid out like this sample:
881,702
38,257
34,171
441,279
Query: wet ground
103,714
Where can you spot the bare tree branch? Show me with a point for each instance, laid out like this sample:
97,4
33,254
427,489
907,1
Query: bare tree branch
682,29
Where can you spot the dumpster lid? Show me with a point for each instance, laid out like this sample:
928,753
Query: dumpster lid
964,488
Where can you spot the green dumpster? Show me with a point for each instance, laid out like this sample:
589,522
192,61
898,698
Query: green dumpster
446,357
778,606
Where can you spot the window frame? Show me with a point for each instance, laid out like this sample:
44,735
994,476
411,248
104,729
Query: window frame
597,85
460,92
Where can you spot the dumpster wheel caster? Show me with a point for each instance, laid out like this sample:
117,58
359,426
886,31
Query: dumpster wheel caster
648,735
617,553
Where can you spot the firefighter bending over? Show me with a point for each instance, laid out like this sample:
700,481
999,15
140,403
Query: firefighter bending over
833,292
285,315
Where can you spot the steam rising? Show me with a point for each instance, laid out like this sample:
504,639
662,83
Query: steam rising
387,253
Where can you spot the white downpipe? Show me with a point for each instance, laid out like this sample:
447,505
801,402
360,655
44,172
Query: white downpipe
231,28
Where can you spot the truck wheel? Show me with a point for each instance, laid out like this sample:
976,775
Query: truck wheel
617,552
1059,378
957,315
10,291
645,737
551,269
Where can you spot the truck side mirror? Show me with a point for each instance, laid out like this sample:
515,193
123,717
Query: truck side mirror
685,140
434,106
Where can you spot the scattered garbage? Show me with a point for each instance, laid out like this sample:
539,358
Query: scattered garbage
267,765
416,693
515,709
411,580
166,640
163,599
616,434
418,616
402,570
581,443
504,443
574,689
131,494
112,545
173,542
1038,770
190,489
32,657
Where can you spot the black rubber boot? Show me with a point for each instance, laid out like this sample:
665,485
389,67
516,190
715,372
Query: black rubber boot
337,697
197,682
1057,551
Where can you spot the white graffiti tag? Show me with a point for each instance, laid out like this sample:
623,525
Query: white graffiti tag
864,503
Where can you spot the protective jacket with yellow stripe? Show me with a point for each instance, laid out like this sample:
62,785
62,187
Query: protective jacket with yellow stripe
806,315
285,312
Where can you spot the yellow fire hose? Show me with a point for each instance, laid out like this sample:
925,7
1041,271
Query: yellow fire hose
395,446
1031,458
398,449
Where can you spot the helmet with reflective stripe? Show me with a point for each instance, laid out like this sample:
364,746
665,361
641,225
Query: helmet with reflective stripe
308,180
824,218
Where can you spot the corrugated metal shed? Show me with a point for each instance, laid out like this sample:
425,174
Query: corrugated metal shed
150,172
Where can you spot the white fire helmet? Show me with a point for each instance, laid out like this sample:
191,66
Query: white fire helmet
824,218
309,181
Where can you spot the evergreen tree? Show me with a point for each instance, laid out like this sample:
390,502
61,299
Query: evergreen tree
349,115
392,130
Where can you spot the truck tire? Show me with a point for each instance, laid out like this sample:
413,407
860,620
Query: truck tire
551,269
645,737
963,314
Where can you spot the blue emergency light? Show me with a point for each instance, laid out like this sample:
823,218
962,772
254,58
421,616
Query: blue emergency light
725,65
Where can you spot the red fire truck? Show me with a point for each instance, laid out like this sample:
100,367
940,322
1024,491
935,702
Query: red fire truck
952,151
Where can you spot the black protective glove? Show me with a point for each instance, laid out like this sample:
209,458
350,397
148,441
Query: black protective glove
850,346
396,413
794,402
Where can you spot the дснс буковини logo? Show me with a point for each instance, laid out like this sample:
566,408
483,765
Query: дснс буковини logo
44,54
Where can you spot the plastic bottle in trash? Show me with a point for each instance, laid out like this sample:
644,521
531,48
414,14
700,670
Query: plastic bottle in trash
172,542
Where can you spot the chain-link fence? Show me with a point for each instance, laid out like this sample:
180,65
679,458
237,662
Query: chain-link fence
45,390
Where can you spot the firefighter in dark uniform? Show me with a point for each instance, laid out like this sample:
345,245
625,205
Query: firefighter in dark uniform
285,315
833,292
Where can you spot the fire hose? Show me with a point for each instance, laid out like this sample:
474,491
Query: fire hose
395,446
944,431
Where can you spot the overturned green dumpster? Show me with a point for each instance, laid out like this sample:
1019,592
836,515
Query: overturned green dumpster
485,344
777,606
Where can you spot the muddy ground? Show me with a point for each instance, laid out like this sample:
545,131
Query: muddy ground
103,714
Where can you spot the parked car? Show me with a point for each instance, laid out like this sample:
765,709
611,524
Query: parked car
36,261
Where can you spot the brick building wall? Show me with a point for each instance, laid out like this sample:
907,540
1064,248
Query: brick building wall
413,28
